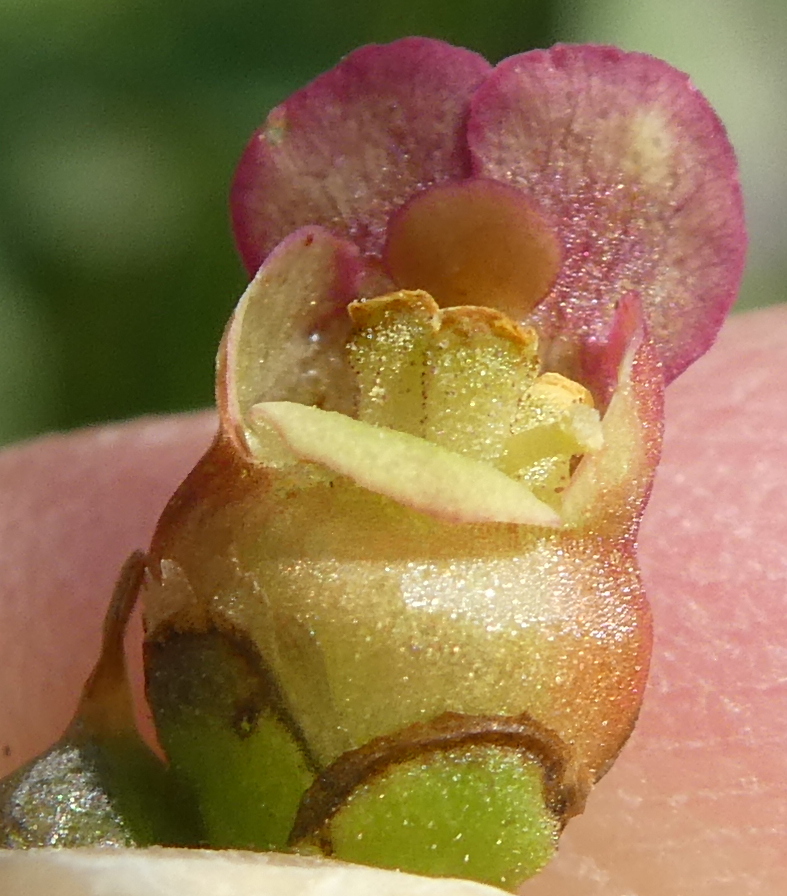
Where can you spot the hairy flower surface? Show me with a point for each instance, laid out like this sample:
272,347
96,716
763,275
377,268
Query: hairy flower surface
395,612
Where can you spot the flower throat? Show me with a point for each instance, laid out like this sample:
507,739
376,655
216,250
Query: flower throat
467,379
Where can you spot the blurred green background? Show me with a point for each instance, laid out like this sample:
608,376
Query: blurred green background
121,122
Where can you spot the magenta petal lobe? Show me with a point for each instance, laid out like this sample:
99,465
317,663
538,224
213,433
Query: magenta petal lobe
346,150
633,163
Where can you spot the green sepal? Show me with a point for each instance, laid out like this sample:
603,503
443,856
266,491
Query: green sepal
230,738
478,812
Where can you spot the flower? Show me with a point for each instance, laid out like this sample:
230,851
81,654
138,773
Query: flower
395,613
618,152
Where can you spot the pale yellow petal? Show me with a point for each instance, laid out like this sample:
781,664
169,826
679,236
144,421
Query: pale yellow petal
408,469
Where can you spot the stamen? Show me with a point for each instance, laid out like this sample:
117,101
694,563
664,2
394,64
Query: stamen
466,379
387,353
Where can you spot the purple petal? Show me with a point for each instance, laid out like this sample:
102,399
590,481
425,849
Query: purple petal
349,148
633,163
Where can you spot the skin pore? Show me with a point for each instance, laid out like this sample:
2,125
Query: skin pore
696,803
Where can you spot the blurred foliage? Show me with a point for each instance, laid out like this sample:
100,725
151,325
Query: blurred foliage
122,123
121,126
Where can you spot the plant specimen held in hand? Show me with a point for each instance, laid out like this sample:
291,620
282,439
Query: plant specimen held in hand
394,615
